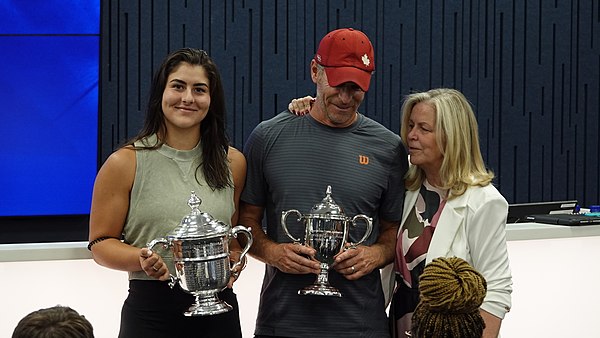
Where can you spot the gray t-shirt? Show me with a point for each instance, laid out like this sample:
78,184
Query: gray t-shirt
291,161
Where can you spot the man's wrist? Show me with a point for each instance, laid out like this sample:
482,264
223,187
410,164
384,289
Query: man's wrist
383,256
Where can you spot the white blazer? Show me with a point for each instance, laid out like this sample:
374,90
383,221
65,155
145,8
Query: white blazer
472,227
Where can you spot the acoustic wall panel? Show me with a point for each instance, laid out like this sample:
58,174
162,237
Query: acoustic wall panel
530,69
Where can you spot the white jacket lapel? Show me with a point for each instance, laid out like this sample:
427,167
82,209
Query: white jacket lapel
445,232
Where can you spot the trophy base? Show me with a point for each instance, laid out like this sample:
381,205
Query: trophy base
320,290
208,308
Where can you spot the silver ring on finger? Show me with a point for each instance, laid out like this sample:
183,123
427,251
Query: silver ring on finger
353,269
154,268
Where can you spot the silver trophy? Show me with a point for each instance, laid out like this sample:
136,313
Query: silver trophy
200,246
326,230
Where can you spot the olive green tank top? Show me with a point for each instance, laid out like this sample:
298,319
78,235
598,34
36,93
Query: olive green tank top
164,180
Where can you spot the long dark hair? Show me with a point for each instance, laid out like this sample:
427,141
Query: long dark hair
214,140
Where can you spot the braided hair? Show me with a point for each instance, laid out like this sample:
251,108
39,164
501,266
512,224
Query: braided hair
451,292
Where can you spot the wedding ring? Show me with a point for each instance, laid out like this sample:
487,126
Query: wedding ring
353,269
154,268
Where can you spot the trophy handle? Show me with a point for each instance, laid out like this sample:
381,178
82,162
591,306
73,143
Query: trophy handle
166,245
284,215
245,231
154,242
369,222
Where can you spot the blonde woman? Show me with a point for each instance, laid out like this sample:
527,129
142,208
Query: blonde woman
450,208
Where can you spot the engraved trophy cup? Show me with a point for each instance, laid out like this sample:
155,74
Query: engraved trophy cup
200,246
326,230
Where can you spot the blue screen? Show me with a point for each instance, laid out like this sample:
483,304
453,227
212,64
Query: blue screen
50,17
49,64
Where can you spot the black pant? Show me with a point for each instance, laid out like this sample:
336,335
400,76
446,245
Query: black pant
154,310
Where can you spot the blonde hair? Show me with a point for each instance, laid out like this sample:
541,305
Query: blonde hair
457,136
451,292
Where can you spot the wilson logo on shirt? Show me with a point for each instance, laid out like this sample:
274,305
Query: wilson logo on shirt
362,159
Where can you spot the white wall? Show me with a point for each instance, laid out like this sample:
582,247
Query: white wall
556,290
93,291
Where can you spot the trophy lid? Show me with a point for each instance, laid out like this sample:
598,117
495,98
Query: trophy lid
327,208
198,224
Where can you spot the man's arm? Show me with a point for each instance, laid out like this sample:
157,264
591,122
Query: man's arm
287,257
355,263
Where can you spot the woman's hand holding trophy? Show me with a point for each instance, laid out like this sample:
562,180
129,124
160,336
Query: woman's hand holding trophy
153,265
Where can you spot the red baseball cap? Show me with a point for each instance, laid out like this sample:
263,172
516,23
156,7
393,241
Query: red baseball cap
347,55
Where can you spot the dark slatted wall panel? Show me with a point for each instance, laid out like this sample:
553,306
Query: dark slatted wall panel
530,68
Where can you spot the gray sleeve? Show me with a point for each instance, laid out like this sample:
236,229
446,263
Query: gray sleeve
393,199
255,189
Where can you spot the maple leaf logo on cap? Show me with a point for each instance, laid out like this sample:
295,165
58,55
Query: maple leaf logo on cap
365,60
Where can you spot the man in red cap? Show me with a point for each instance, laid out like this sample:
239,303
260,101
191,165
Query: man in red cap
342,70
291,161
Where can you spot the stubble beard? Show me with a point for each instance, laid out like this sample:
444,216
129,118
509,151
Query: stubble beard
341,119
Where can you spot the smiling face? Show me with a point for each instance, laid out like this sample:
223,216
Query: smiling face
422,142
186,97
335,106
